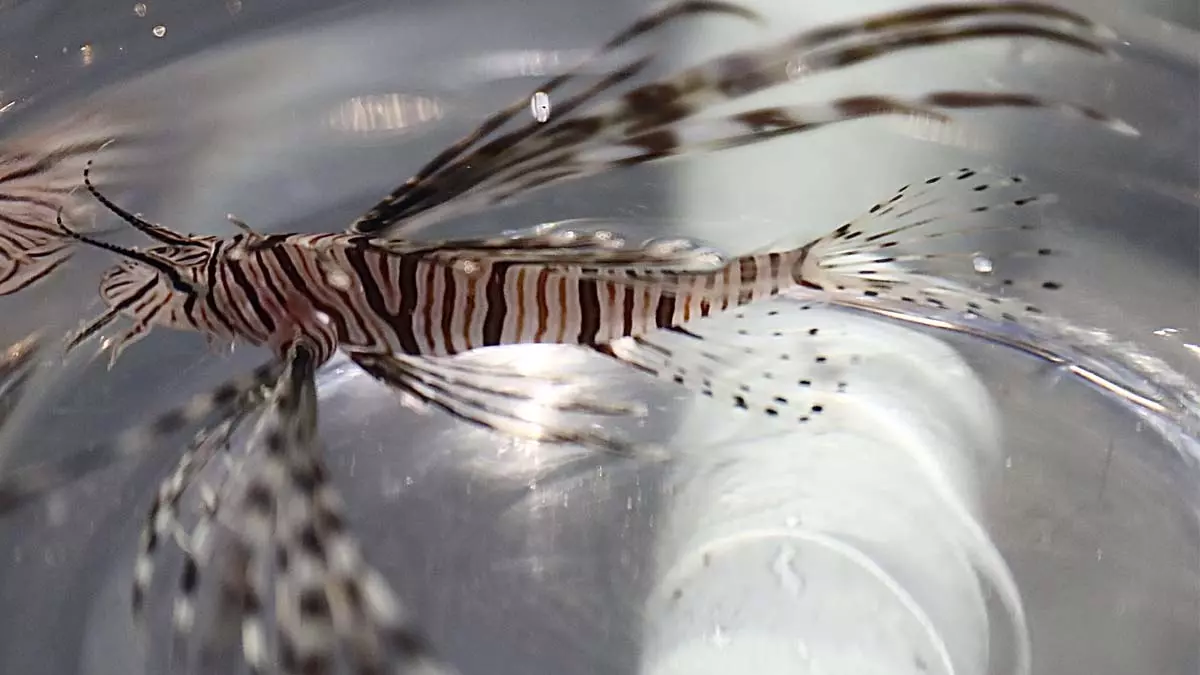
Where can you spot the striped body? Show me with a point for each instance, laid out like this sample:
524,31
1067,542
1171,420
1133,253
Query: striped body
428,303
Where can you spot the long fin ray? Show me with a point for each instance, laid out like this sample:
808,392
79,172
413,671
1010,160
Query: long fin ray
652,21
666,102
555,395
690,137
823,35
22,266
198,546
163,523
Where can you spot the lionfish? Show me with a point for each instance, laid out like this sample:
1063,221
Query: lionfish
402,309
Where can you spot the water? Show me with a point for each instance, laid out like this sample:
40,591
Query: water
887,536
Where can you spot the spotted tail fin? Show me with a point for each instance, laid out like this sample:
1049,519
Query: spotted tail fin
929,245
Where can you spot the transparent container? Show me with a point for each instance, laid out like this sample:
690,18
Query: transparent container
982,501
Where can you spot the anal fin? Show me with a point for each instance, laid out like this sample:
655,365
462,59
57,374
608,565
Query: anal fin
761,360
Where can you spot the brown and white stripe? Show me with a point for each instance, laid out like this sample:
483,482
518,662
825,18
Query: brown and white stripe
433,303
366,296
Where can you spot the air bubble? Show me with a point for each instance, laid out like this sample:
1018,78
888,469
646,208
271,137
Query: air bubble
159,30
666,247
797,69
709,259
540,106
982,264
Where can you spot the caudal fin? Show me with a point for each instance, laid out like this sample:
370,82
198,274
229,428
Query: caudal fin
930,245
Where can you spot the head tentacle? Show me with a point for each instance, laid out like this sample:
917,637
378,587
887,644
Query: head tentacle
165,267
156,232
